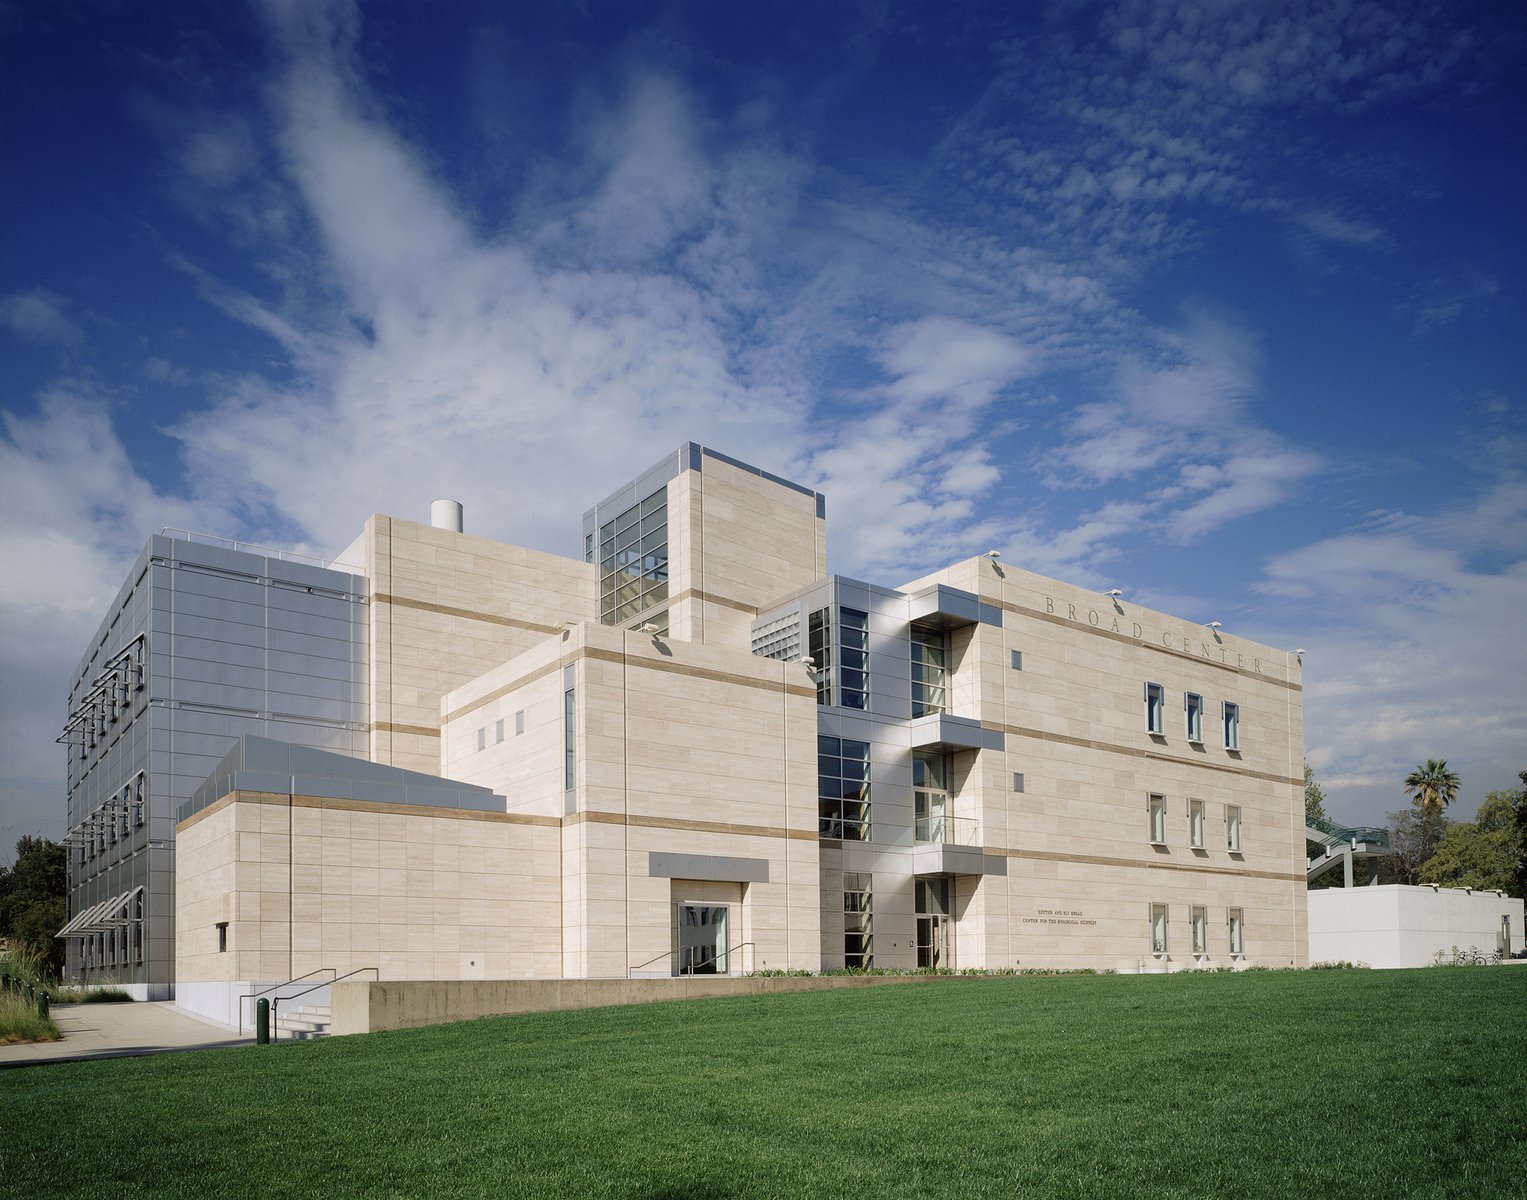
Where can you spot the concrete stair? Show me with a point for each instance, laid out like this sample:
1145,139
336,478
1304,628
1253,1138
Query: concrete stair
303,1024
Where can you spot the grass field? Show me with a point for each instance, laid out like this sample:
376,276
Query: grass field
1326,1083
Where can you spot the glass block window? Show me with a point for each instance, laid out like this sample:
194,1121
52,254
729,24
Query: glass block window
930,671
779,638
633,560
843,788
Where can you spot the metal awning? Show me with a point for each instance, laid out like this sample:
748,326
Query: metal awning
103,917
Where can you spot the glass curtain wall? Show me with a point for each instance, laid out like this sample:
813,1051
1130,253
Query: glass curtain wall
930,671
633,560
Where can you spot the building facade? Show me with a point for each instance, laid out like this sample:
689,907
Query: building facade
708,754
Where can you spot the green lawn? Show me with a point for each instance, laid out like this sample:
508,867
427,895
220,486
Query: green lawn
1325,1083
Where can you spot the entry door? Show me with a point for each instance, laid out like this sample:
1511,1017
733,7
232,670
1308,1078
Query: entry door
932,941
702,939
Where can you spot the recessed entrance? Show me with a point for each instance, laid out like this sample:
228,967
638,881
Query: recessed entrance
702,931
933,923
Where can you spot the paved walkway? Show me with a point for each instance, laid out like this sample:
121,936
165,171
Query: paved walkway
118,1030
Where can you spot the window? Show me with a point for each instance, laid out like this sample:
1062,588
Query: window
588,547
930,671
1198,918
930,794
1232,829
843,788
853,657
1196,824
633,560
1194,703
482,738
858,920
1017,660
1232,718
819,643
498,730
1158,929
1155,708
519,722
1157,807
1237,932
570,739
222,937
140,800
1018,783
844,682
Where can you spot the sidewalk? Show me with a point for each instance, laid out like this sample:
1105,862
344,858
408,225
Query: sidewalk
118,1030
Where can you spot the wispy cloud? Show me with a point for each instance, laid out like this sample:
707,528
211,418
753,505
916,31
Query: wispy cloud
40,316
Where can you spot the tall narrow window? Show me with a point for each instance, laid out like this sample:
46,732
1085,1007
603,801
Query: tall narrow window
1158,929
1237,932
1195,706
1196,824
819,645
843,788
1156,805
570,739
930,671
1155,708
498,730
482,738
858,920
853,657
930,794
140,799
1232,828
222,937
1198,918
1232,716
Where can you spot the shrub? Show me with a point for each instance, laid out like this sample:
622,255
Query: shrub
19,1021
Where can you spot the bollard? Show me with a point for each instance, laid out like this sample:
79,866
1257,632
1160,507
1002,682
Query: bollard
42,1003
262,1022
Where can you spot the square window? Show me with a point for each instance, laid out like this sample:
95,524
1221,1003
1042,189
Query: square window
1194,703
1155,708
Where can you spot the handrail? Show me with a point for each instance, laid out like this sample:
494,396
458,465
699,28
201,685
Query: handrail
275,987
684,974
314,988
1335,834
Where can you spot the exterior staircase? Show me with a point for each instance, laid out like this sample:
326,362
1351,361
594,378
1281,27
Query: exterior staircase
302,1024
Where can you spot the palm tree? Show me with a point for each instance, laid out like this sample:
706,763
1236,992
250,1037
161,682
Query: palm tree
1432,785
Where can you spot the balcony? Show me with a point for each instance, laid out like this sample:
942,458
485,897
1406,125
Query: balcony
948,831
942,732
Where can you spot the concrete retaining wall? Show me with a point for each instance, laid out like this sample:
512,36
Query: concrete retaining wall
365,1007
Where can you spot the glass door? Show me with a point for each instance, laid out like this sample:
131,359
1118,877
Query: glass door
933,923
702,939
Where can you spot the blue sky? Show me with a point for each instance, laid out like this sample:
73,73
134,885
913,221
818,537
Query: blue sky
1219,303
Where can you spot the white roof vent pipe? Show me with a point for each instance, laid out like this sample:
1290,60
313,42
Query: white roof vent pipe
446,514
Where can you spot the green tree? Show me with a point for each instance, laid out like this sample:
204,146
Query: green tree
1432,785
1521,837
33,899
1414,835
1483,853
1314,797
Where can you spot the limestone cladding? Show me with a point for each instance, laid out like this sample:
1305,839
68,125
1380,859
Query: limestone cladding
444,608
311,882
1083,867
681,749
737,542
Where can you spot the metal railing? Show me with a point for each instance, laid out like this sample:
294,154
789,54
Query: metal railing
275,987
213,539
275,1004
948,831
1333,834
727,954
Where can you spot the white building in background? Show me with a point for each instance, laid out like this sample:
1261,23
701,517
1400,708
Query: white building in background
691,749
1397,925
